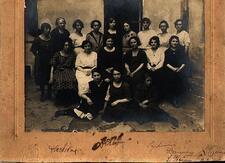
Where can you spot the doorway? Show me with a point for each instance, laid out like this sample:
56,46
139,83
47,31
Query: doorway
123,10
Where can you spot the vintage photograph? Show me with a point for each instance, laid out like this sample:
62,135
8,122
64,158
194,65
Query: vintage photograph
114,65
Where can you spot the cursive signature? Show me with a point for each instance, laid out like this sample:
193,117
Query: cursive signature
105,141
211,152
174,155
65,148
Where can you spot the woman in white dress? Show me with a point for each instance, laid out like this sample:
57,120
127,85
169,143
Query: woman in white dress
86,61
164,36
77,36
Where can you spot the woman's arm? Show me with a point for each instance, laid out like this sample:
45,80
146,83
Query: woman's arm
171,67
181,67
138,69
51,75
124,100
127,68
162,59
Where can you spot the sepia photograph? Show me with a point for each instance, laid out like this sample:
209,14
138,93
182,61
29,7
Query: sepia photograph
114,65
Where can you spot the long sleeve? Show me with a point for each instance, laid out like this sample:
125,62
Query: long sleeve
162,59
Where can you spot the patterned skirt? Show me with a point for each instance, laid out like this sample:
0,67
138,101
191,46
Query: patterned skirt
64,79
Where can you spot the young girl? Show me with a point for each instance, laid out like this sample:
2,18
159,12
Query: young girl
164,36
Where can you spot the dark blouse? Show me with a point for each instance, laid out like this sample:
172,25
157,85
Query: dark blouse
175,58
97,43
59,39
60,62
109,59
135,61
97,93
119,93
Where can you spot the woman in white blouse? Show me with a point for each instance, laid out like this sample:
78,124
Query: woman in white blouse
164,36
86,61
155,57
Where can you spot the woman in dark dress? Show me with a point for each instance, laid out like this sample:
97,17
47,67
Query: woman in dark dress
92,101
108,57
175,70
95,36
63,75
59,34
42,49
117,98
135,63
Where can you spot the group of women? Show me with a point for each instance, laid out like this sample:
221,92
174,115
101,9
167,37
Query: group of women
110,72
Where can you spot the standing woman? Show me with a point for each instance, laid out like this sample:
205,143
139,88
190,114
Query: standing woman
146,33
155,57
126,37
175,67
86,61
59,34
77,36
62,75
135,62
117,98
95,36
113,33
164,36
42,49
109,57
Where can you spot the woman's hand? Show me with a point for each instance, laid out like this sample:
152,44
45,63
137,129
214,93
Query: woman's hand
107,80
51,79
89,101
115,103
152,69
88,73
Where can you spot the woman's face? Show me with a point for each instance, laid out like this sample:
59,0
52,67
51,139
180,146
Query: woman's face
96,26
174,43
78,26
87,48
145,25
109,42
96,76
126,27
153,44
179,26
148,81
163,27
61,24
46,30
66,46
112,25
133,43
116,76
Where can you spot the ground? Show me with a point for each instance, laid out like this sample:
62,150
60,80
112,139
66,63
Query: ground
189,117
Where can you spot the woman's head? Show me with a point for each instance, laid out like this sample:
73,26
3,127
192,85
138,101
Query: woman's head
68,46
134,42
112,23
45,28
96,25
163,25
60,23
179,25
117,74
148,79
145,22
174,41
109,42
87,46
126,27
154,42
78,25
96,74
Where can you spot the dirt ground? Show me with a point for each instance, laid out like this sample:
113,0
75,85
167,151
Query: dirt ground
189,117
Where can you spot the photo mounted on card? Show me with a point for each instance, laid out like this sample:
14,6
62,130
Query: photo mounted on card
114,65
112,80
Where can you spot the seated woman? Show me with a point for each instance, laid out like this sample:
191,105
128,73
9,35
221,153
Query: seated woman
43,52
135,62
108,57
86,61
164,36
175,70
95,36
92,101
155,57
146,95
62,75
117,98
77,36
